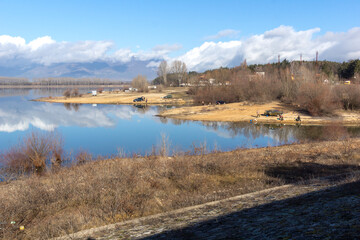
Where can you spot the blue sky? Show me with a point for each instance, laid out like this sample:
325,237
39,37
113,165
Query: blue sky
141,25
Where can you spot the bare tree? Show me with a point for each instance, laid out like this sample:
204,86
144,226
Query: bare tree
140,83
180,70
163,71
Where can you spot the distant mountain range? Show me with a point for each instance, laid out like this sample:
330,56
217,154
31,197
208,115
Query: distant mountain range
99,69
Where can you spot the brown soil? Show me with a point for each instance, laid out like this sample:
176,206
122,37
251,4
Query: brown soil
246,112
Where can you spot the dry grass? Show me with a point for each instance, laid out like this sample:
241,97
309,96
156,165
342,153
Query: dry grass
113,97
98,193
244,112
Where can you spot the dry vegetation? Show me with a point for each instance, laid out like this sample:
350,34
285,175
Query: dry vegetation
247,111
140,83
92,193
307,92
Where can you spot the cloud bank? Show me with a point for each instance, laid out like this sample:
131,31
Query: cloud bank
48,117
266,47
262,48
46,51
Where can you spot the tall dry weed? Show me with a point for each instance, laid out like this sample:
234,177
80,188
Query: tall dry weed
97,193
34,153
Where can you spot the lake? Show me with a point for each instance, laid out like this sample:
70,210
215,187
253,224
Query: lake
113,129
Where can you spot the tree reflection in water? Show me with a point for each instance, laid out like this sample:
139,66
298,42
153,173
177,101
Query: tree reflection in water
72,106
286,134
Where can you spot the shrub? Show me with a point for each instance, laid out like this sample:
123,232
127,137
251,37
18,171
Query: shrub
75,92
317,99
34,153
105,192
83,157
140,83
348,96
67,93
159,88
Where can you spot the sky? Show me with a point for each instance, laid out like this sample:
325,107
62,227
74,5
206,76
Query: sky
203,34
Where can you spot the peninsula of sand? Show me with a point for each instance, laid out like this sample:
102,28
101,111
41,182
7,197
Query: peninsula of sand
247,112
232,112
178,97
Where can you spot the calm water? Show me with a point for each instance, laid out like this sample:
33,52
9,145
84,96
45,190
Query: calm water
108,129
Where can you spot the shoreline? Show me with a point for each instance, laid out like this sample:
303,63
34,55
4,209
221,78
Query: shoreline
245,112
232,112
60,86
117,97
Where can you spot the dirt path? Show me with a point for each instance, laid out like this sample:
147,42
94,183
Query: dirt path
245,112
319,209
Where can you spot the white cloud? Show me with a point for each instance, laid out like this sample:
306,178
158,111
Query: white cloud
283,40
10,46
48,117
8,40
123,55
224,33
46,51
343,45
40,42
212,55
157,52
264,48
260,48
153,64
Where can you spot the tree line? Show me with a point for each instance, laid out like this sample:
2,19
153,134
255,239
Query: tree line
173,75
316,87
14,81
58,81
176,73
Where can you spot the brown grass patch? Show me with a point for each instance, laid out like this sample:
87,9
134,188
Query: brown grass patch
103,192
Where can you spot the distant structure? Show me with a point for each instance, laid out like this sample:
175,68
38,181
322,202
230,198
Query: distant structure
244,64
300,57
279,58
317,68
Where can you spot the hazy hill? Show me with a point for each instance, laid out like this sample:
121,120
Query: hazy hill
99,69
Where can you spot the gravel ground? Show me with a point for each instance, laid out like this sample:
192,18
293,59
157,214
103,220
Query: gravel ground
320,209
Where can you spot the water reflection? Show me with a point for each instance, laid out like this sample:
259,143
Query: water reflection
72,106
7,92
47,116
59,91
102,129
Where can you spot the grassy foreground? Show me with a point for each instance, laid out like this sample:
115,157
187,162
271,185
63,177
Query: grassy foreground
108,191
